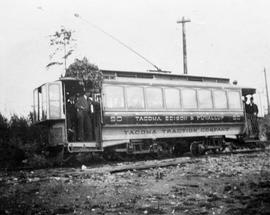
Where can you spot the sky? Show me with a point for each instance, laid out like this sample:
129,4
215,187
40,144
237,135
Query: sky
225,38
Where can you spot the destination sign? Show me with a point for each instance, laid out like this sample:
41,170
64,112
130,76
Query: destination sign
170,119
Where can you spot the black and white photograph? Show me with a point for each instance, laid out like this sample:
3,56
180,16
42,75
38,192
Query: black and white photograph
118,107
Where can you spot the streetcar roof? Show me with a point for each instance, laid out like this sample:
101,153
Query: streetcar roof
166,78
248,91
113,74
161,75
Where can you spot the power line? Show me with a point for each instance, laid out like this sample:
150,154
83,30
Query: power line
117,40
266,89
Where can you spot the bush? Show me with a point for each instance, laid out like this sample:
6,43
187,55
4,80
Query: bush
4,130
21,140
37,161
264,128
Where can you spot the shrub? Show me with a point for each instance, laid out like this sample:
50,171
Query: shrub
4,129
264,128
21,140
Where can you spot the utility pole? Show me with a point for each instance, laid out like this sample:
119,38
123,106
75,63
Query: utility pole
183,21
267,96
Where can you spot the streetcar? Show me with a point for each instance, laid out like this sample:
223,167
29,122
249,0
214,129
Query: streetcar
144,112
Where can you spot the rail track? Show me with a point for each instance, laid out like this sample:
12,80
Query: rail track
96,163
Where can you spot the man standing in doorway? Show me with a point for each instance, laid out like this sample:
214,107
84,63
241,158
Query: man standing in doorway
248,127
254,112
83,107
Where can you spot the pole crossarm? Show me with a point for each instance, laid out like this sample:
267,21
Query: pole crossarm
183,22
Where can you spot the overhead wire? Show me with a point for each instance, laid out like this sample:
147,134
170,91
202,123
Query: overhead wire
117,40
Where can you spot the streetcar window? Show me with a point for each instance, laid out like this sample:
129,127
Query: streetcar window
44,102
114,97
172,98
54,99
135,97
220,99
154,97
40,105
189,98
35,105
234,99
205,98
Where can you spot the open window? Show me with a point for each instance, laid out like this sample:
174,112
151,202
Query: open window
40,103
44,99
36,106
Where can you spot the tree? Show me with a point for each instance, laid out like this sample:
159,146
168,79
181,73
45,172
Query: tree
62,41
4,130
88,73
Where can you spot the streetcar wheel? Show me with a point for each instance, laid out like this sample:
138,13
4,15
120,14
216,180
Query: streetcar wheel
218,150
197,148
181,147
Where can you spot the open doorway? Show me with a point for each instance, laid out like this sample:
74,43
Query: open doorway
251,113
82,112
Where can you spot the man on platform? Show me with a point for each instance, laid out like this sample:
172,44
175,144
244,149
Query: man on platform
253,108
83,108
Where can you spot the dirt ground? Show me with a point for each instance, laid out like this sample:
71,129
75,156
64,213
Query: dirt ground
224,184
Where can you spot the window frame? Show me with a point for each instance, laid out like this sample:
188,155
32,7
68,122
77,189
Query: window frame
40,104
54,100
45,102
214,100
146,99
105,97
165,97
182,98
211,96
240,101
126,97
36,105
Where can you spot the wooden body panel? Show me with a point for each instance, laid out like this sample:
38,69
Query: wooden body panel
175,131
120,126
124,124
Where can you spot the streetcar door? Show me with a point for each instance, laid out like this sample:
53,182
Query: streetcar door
249,119
247,92
83,124
97,122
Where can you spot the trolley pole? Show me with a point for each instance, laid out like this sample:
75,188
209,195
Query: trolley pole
267,95
183,21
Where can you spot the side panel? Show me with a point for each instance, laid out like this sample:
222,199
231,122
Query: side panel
166,110
175,131
119,126
163,118
57,134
